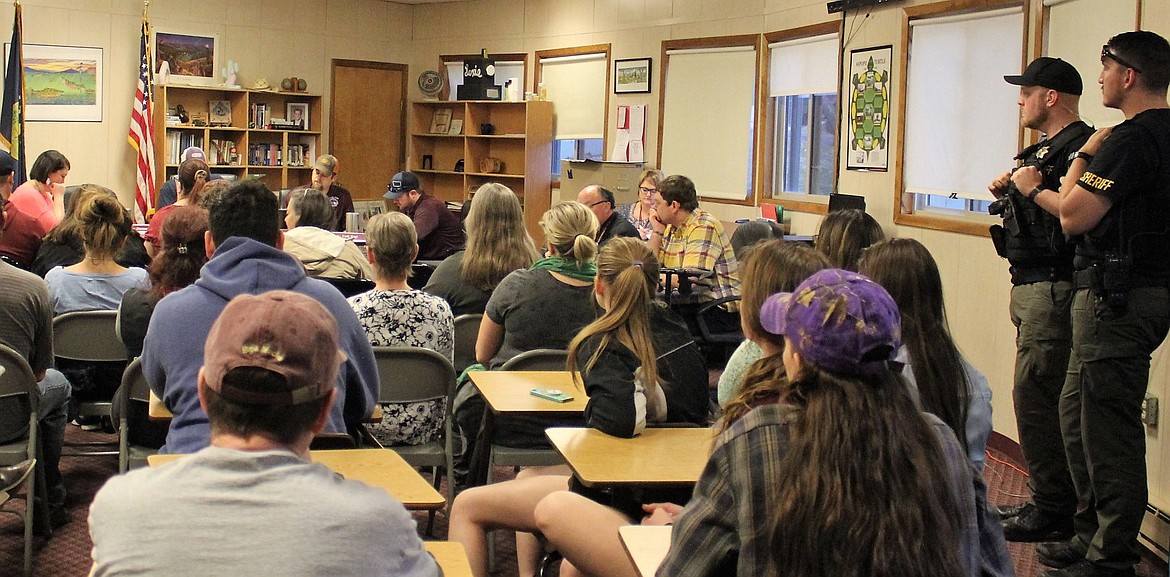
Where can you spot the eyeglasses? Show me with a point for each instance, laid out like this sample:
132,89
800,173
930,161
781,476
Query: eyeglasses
1106,53
648,191
591,205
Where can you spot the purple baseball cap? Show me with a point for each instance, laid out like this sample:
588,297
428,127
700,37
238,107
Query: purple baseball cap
838,321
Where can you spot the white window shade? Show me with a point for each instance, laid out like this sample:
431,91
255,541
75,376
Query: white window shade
505,69
708,119
1075,32
804,66
962,120
576,86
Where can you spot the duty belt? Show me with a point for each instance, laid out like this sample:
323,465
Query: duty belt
1084,279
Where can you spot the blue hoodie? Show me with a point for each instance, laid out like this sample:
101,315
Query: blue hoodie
173,351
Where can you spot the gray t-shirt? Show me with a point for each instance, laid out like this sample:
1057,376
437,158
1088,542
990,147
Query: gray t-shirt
75,291
227,512
538,311
447,282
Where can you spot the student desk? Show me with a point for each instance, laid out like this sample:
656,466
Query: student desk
686,278
510,392
666,457
381,468
646,545
452,558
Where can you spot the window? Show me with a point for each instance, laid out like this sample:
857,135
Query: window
1075,31
508,66
961,118
576,80
708,115
802,86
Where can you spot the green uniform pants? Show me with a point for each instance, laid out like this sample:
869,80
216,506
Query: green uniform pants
1100,409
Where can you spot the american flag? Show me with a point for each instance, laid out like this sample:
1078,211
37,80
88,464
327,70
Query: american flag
142,133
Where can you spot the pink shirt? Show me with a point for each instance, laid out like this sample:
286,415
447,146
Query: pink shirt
27,199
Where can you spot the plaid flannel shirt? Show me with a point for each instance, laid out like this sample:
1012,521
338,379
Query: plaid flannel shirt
701,243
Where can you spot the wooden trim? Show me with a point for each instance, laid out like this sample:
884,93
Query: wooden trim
959,225
746,40
405,69
904,202
807,206
952,7
830,27
606,49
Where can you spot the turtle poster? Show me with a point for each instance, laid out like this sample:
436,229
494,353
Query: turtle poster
869,108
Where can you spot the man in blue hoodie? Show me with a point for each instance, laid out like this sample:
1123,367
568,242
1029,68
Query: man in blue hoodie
243,245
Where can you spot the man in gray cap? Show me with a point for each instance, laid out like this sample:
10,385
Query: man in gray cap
168,194
439,232
254,498
1041,262
325,172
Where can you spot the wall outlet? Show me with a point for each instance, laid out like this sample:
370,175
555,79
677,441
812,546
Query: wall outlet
1150,410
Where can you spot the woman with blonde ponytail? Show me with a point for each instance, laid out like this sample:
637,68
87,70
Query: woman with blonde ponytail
638,365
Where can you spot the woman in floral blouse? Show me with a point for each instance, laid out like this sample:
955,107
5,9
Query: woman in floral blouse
393,314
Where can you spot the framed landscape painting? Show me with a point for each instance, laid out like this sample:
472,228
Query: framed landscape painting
61,83
193,59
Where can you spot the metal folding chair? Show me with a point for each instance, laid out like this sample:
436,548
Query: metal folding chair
411,375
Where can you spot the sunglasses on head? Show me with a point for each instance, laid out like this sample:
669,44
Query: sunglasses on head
1107,53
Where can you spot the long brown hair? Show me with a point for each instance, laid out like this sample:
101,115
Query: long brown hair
771,266
859,492
497,242
629,271
904,267
193,174
844,234
183,253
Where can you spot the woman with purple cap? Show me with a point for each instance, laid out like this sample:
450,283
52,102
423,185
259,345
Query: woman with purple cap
844,476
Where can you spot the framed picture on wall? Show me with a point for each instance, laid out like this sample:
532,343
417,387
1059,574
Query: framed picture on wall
61,83
192,58
869,98
298,114
631,75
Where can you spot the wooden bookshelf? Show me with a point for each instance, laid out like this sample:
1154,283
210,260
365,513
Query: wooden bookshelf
288,156
522,141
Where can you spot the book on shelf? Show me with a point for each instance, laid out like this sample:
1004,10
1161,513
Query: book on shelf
222,152
179,141
265,154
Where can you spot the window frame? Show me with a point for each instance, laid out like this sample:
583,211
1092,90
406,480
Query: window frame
607,50
766,164
967,222
753,41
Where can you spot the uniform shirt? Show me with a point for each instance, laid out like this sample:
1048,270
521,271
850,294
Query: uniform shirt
1131,170
701,243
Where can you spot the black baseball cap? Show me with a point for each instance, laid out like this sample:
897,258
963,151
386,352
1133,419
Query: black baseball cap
402,183
1052,73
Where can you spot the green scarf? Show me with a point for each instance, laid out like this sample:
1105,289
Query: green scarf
571,269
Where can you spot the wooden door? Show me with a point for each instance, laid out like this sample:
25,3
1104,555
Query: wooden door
367,124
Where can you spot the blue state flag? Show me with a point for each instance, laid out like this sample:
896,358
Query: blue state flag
12,115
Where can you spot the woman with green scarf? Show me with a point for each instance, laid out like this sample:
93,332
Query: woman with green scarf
544,307
541,307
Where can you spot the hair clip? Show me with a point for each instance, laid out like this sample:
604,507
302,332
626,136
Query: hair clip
182,248
637,263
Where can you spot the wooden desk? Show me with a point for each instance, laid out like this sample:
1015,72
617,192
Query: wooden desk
657,457
451,557
381,468
511,391
646,545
